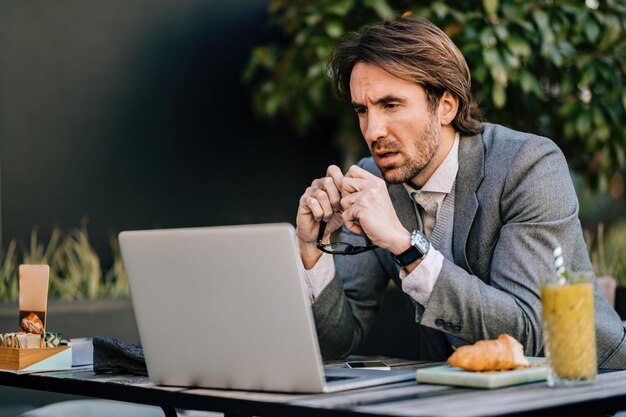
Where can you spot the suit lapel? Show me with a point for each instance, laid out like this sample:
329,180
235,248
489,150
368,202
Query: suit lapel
469,177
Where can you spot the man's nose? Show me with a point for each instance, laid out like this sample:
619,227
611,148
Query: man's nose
376,128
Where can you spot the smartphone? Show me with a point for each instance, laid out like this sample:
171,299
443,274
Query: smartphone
368,365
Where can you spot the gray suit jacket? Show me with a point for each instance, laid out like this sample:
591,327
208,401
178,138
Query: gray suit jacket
514,200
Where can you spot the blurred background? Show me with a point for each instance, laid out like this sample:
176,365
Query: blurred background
140,114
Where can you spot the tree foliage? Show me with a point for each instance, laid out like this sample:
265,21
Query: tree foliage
552,68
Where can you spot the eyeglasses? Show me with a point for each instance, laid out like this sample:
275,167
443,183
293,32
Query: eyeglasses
341,248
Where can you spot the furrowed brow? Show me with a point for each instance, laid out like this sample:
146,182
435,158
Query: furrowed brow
383,100
389,99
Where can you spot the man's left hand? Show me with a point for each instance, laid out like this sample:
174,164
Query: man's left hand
367,208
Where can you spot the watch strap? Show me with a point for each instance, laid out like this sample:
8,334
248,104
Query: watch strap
408,256
419,248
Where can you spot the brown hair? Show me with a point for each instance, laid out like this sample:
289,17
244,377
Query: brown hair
415,50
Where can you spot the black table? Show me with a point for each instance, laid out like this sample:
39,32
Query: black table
607,395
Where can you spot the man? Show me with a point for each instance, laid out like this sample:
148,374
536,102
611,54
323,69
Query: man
464,215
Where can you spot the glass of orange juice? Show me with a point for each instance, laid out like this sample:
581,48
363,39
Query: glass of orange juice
569,328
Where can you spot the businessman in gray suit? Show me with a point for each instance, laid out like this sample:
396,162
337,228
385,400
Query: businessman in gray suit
461,214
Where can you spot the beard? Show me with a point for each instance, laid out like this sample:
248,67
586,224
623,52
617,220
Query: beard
419,154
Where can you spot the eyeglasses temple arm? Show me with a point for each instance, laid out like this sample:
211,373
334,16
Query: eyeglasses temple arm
320,234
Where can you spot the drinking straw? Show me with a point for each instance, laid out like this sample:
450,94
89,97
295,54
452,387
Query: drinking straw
559,264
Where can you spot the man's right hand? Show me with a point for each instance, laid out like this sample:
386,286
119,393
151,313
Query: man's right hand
320,202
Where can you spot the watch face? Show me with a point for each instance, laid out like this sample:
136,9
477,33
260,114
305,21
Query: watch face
420,242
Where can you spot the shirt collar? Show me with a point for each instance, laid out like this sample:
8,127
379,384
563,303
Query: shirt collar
443,178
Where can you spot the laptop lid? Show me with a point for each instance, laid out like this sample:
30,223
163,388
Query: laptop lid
225,307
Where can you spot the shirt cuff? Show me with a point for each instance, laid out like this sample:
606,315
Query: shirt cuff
420,282
318,277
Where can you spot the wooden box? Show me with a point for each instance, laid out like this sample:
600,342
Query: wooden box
33,360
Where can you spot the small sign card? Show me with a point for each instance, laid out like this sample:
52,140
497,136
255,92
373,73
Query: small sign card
33,298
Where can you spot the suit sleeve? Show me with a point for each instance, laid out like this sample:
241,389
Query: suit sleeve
345,309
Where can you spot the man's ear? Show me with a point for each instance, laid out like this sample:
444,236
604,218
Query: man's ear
448,107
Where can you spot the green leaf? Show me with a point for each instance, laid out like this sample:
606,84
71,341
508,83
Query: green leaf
511,60
488,38
501,32
382,9
603,133
341,7
491,6
569,130
569,108
583,124
334,28
271,106
511,11
440,9
498,95
611,31
592,30
315,70
313,19
518,46
598,118
589,76
556,57
301,38
496,66
567,49
322,52
530,84
479,73
541,20
543,23
524,24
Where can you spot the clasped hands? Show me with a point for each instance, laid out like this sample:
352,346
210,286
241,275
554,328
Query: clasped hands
359,200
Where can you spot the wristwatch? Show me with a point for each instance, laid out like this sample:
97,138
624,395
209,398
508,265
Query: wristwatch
419,248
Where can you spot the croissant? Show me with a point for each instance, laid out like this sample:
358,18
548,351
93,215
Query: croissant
490,355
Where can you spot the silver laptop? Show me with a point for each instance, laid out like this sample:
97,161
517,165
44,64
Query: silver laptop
225,307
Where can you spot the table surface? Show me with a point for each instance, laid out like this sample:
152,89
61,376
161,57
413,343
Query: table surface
607,395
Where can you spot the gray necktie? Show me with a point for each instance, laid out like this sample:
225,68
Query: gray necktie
427,202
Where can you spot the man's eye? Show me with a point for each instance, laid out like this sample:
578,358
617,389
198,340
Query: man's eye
360,110
391,106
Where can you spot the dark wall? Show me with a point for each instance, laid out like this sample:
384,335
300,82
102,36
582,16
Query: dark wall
133,114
